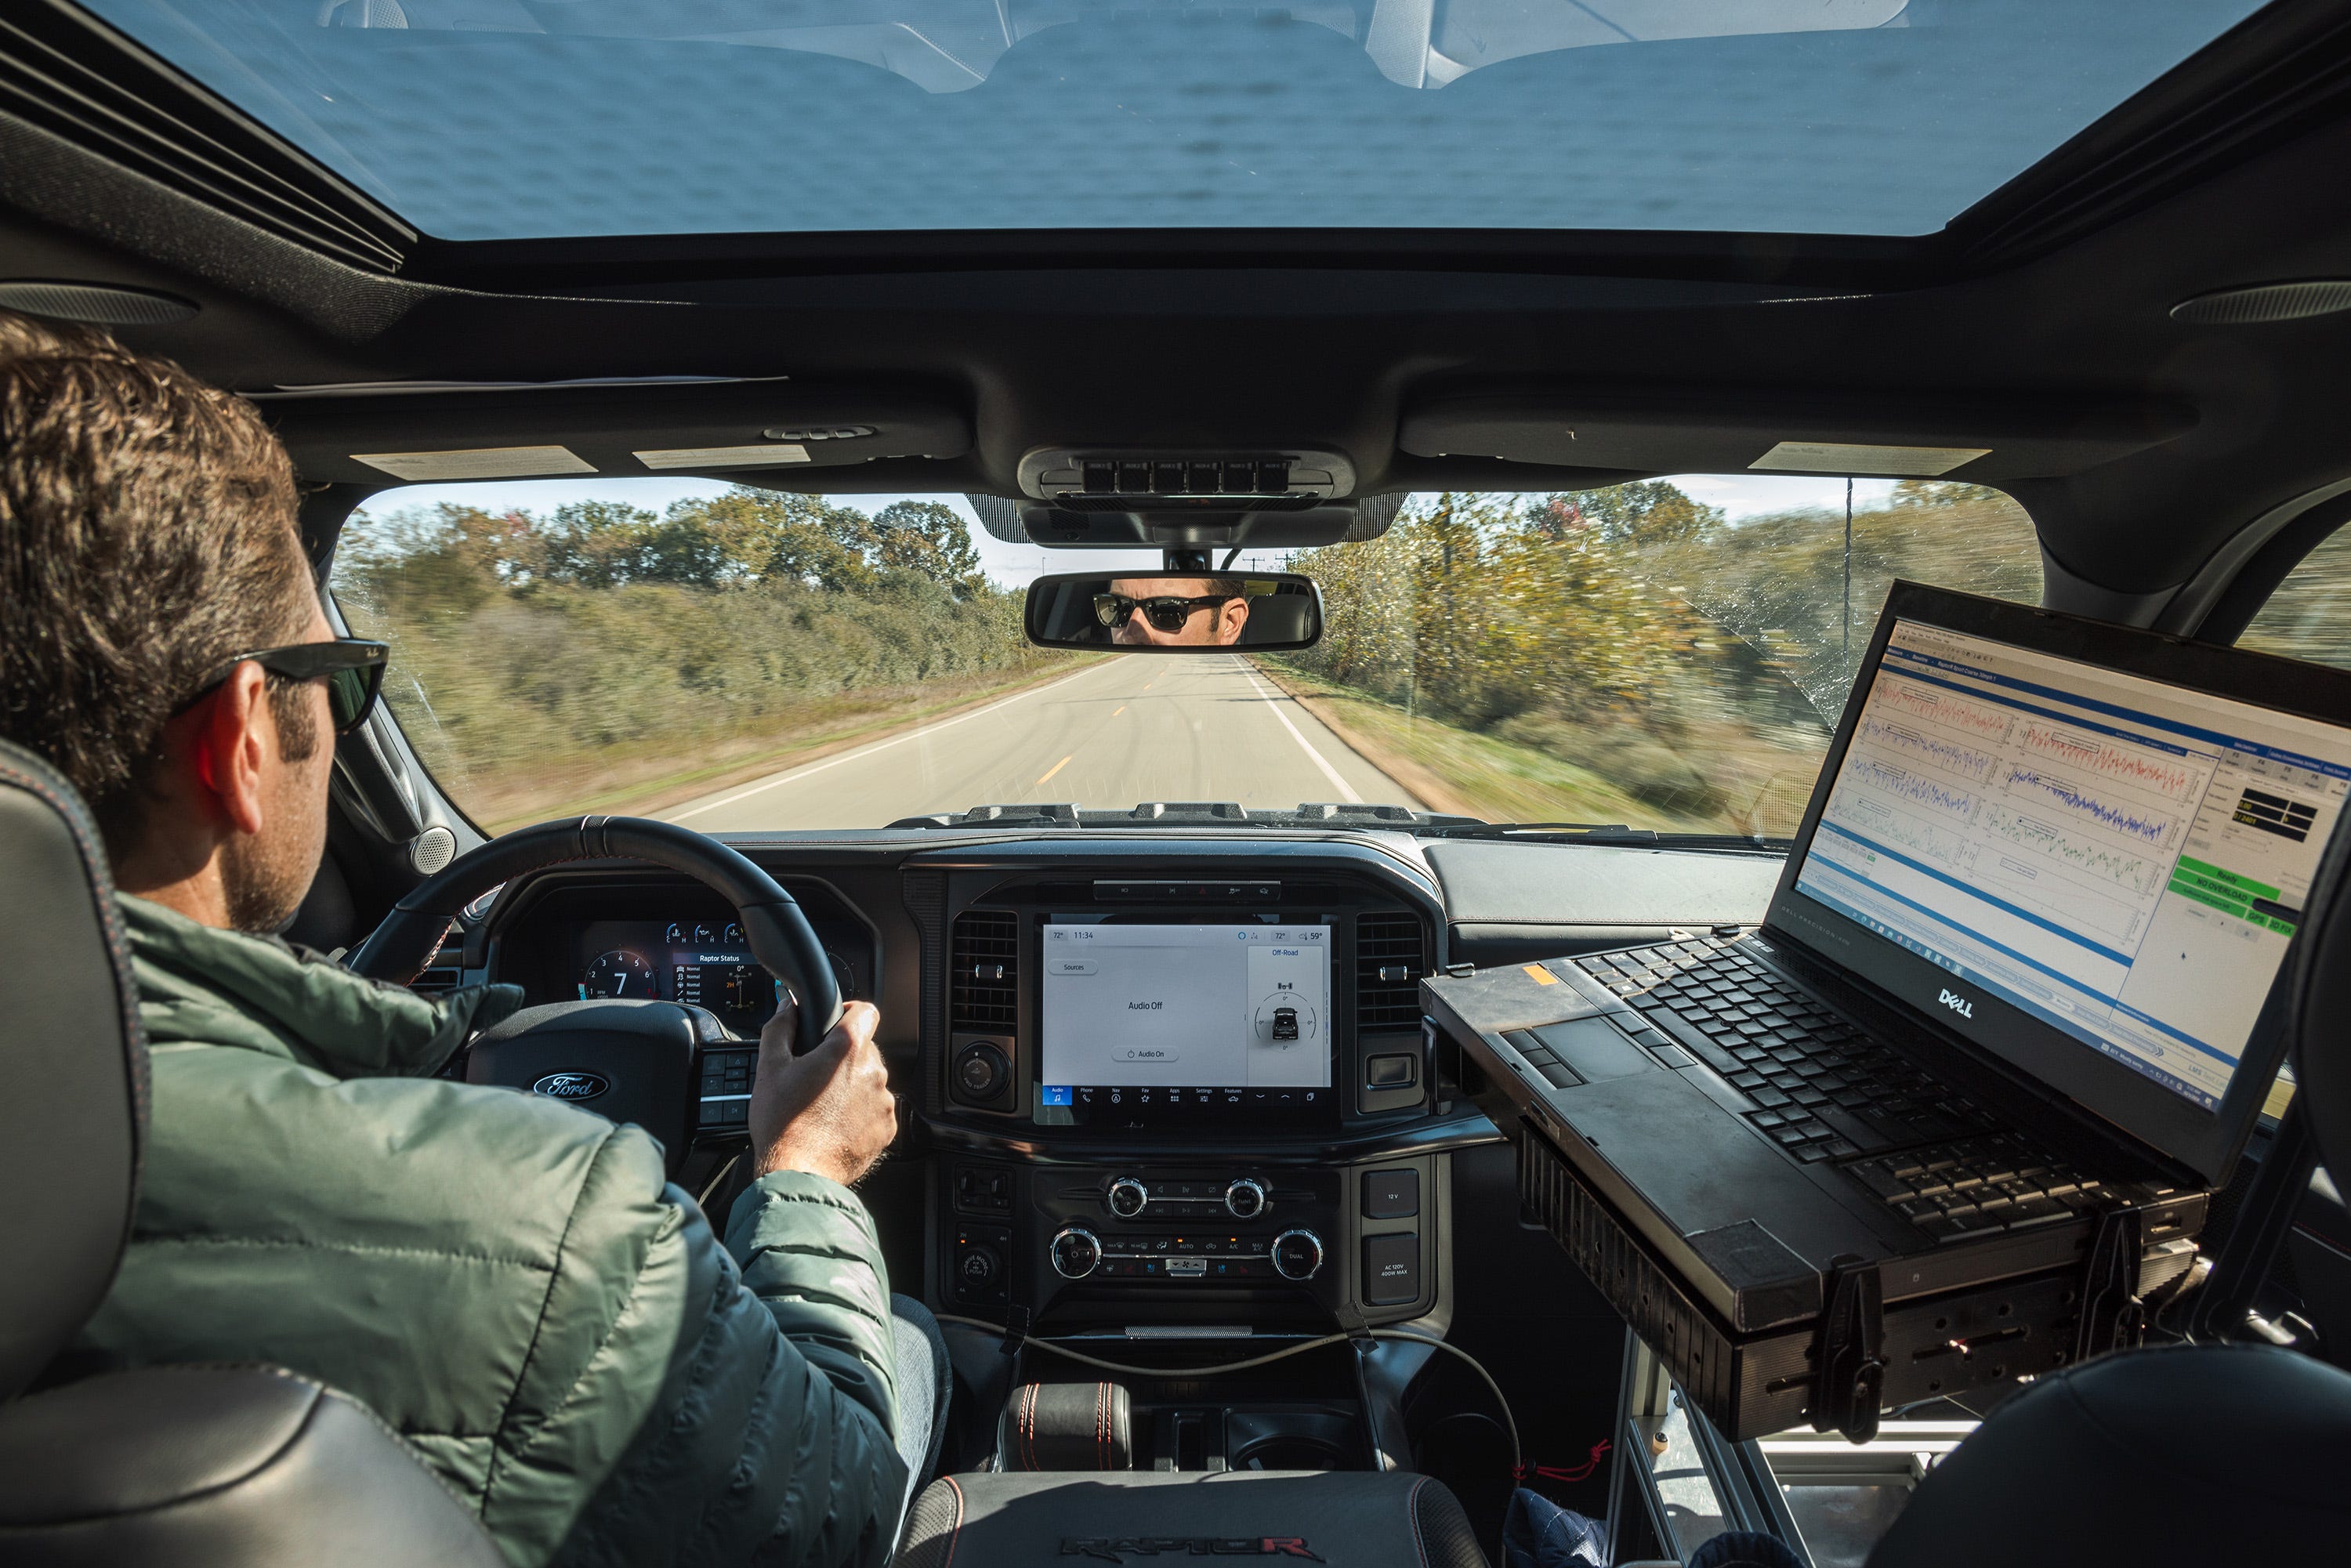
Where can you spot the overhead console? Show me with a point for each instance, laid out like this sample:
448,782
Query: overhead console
1280,498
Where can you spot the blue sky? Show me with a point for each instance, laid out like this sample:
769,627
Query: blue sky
1738,495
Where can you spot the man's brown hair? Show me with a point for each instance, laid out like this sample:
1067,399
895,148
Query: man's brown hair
147,534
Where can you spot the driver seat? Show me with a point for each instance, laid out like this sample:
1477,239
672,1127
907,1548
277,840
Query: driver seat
185,1467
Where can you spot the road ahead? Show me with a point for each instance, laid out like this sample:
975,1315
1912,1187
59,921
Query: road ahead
1135,728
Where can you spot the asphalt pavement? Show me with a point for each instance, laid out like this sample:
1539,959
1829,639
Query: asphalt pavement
1132,728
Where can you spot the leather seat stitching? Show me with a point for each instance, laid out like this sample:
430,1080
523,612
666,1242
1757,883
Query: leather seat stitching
1412,1511
954,1531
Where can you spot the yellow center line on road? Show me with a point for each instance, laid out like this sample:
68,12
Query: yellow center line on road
1057,767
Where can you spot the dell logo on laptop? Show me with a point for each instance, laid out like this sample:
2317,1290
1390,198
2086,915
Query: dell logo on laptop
1958,1004
571,1085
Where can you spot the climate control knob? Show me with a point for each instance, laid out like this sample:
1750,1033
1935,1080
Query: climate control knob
1297,1254
1246,1198
1075,1253
1127,1197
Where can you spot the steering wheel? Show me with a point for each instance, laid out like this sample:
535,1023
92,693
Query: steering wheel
633,1061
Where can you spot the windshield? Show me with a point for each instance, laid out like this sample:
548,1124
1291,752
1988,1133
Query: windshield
537,119
1669,655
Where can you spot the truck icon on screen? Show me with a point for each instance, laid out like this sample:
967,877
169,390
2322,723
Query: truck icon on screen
1285,1023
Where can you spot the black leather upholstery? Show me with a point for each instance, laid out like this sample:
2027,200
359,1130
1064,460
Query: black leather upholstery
2211,1454
1358,1519
1067,1426
2214,1453
172,1467
238,1466
77,1069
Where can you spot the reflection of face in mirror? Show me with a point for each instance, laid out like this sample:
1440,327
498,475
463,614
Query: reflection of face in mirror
1207,612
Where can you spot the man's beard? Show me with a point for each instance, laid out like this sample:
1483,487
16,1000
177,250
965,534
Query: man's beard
264,880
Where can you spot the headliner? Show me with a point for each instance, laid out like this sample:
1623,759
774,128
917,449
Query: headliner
2046,312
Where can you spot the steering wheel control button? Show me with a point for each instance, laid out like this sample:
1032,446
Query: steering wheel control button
1246,1198
1298,1255
1127,1197
1391,1194
1075,1253
1391,1270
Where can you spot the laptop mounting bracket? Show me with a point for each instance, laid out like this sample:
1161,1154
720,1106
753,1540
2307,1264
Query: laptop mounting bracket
1852,1353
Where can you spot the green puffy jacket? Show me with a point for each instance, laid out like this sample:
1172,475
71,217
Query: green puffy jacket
507,1281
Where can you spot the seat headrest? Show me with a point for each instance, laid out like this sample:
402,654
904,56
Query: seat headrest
1278,618
2319,1007
76,1106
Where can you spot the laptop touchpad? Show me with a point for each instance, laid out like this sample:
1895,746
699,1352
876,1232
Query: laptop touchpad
1594,1048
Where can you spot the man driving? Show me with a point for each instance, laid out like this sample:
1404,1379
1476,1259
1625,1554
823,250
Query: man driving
1166,611
507,1280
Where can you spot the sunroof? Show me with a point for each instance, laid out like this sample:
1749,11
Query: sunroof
532,119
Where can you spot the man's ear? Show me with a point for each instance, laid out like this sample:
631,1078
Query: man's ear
234,736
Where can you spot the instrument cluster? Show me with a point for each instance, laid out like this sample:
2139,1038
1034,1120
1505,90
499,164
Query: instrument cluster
703,963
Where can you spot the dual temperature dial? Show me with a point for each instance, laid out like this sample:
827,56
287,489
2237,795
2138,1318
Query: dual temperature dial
1077,1252
1244,1199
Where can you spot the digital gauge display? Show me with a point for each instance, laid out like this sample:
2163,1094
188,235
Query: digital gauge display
619,973
703,964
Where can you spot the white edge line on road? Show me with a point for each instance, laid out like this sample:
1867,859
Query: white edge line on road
795,775
1320,761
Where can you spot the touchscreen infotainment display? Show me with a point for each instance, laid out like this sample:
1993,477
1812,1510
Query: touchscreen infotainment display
1153,1016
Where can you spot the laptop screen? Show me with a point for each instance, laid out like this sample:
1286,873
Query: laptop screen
2122,859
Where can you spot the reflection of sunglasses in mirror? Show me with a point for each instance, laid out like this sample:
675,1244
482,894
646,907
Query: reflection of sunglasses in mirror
1166,614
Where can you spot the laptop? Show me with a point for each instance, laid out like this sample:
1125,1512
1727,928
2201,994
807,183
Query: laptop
2021,970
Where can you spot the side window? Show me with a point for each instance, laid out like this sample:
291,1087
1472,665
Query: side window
2309,616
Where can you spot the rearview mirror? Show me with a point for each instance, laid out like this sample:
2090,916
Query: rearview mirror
1175,611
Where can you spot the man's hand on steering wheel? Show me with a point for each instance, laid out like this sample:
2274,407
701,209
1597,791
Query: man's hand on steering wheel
827,1113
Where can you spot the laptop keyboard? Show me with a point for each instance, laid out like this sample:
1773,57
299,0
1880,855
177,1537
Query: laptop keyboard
1824,1090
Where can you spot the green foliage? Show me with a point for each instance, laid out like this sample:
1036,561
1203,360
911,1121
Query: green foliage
1695,665
2309,616
531,652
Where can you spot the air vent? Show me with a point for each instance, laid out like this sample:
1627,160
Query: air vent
2265,303
1389,963
437,978
983,961
107,305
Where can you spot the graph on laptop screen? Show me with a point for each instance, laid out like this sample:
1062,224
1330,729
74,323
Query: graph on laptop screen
2124,859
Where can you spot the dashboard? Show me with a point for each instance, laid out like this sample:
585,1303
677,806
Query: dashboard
1142,1078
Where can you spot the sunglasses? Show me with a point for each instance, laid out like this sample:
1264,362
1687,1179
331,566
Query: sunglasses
1167,614
352,668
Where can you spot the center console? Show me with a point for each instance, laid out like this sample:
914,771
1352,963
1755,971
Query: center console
1192,1102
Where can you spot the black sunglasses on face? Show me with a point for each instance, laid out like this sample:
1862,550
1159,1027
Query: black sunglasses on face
352,668
1166,614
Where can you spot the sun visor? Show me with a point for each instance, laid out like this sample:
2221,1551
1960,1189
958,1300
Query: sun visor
762,432
1986,442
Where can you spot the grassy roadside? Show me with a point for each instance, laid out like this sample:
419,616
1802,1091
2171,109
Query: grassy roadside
647,784
1457,770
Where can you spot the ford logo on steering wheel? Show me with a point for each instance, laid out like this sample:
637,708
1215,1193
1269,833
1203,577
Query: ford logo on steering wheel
571,1085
